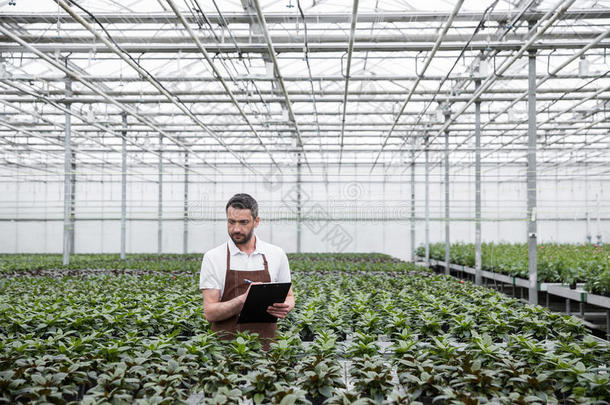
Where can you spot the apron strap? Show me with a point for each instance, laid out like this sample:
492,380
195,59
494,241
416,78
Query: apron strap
265,263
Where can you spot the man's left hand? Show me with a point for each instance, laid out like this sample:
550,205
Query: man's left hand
279,310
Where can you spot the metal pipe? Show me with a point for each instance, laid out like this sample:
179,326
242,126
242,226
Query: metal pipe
305,98
531,179
299,202
297,47
72,196
477,179
160,200
412,201
124,187
185,236
405,16
298,92
314,39
350,49
250,78
427,197
359,134
447,236
67,185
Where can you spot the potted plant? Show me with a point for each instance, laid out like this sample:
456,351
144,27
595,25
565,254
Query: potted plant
319,377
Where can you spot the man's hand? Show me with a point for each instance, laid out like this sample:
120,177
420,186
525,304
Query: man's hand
242,297
215,310
279,309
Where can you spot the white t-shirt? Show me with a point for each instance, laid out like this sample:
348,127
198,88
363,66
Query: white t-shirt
214,263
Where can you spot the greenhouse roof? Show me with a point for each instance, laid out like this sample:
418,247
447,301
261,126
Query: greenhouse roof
259,83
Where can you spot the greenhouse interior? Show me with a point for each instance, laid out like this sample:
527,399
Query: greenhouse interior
418,191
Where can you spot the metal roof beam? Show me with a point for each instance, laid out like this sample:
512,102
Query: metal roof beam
429,58
63,110
246,78
70,73
243,48
113,48
219,78
549,18
350,49
271,50
287,18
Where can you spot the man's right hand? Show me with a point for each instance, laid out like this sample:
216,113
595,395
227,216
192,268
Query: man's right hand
244,295
215,310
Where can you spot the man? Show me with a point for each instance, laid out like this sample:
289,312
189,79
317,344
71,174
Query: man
228,270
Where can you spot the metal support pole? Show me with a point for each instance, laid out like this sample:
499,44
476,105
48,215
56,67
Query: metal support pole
72,199
299,212
124,187
413,201
67,182
588,221
185,236
477,179
427,192
160,207
447,238
599,231
531,179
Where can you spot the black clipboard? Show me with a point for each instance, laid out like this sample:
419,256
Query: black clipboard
259,298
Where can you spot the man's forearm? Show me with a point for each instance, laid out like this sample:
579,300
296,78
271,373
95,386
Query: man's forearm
219,311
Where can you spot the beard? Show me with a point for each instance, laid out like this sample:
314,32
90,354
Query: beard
242,239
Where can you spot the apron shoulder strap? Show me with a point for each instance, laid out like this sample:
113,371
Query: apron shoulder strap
265,262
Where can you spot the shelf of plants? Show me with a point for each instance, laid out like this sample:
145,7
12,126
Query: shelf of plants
575,292
557,263
377,330
567,263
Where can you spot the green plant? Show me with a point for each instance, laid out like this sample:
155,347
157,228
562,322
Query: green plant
372,377
320,377
260,384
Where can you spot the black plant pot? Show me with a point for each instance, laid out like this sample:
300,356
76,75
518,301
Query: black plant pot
306,335
319,400
573,285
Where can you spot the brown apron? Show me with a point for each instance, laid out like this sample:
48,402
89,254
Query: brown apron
234,286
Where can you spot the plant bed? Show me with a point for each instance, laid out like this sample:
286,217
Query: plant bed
118,338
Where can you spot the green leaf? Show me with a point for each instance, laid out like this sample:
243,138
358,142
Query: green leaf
289,399
325,391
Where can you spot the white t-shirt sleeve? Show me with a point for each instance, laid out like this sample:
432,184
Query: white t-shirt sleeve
208,277
283,274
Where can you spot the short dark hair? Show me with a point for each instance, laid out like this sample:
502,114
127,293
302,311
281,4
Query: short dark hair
243,201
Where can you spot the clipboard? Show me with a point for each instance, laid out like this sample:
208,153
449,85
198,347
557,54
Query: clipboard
259,298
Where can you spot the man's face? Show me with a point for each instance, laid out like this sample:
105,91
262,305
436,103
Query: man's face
241,225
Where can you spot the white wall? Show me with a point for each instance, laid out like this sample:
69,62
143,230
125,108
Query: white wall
360,214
